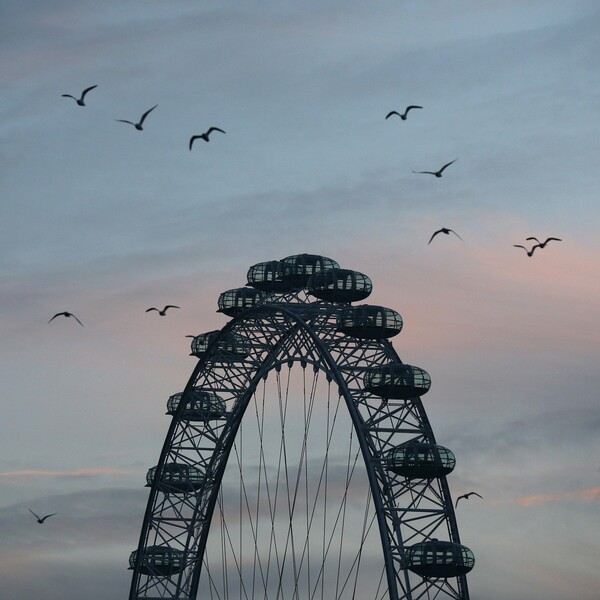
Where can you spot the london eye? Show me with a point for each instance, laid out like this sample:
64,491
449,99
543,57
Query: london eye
300,463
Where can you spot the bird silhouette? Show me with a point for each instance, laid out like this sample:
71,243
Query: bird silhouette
163,312
529,252
204,136
80,99
543,244
65,314
466,497
446,231
438,173
139,125
403,115
41,520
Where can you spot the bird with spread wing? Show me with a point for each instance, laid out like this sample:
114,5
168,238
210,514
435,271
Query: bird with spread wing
162,312
41,520
140,123
466,497
440,171
80,100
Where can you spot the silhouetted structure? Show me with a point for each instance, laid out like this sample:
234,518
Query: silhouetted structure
277,325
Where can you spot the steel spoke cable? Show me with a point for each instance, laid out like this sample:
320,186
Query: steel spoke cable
223,546
306,503
344,504
325,472
364,534
366,529
323,469
211,583
250,519
235,559
303,464
325,466
260,425
254,528
282,406
379,584
338,515
258,495
290,533
273,506
321,477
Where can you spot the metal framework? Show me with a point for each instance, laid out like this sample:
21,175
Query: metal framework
192,489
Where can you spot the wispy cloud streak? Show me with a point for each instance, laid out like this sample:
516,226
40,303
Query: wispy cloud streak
585,494
81,472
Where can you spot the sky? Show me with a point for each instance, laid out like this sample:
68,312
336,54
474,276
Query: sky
105,221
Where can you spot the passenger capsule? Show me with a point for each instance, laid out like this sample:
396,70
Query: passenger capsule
230,344
420,460
339,285
369,322
435,558
266,277
296,269
176,478
160,561
397,381
201,405
236,301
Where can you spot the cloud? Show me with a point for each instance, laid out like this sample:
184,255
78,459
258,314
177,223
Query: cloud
586,494
79,472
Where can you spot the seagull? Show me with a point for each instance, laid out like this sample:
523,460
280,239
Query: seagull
402,116
438,173
80,100
204,136
446,231
543,244
466,497
138,126
41,520
66,314
529,252
163,312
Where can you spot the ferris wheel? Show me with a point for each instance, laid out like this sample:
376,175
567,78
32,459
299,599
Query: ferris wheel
300,463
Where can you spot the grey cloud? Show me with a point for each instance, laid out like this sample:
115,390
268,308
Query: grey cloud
97,528
103,517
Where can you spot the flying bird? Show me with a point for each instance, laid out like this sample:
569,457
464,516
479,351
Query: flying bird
163,312
529,252
403,115
65,314
446,231
466,497
204,136
139,125
80,99
438,173
543,244
41,520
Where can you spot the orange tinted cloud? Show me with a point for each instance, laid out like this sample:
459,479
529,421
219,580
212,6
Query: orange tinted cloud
81,472
586,494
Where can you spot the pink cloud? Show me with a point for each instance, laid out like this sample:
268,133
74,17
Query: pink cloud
586,494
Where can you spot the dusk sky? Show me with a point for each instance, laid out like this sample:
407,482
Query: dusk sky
104,221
